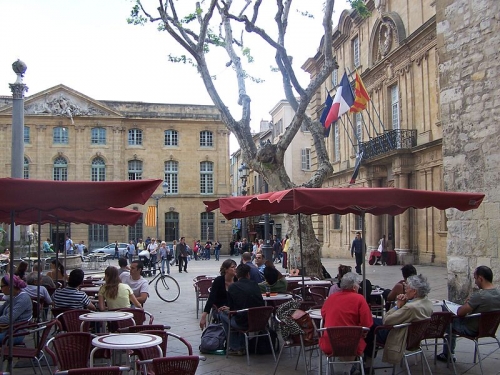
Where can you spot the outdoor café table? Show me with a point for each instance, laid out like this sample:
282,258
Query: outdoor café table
315,315
125,341
276,297
90,290
297,278
105,316
327,283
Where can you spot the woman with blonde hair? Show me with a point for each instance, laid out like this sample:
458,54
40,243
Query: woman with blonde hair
116,294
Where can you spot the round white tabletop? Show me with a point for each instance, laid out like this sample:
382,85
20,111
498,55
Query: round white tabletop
90,289
277,297
377,292
316,283
314,313
102,316
126,341
297,278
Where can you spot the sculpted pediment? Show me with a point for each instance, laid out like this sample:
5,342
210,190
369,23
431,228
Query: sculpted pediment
63,101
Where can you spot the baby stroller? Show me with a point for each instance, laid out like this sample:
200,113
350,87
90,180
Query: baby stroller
146,271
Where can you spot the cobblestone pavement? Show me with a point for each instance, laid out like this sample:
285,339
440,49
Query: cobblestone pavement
181,316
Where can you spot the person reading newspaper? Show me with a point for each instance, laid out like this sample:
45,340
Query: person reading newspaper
487,298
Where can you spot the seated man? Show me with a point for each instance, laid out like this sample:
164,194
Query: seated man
70,297
122,263
260,263
32,290
487,298
137,283
273,279
411,306
246,258
242,294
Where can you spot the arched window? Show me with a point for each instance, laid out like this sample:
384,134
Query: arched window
172,176
60,135
206,177
171,138
60,169
26,171
98,136
135,137
98,172
206,138
135,170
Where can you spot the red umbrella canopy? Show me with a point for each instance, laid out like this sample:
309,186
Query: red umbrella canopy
326,201
19,194
108,216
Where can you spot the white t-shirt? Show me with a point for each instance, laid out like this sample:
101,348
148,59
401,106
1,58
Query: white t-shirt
137,286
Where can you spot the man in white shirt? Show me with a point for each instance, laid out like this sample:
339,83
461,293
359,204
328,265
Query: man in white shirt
68,246
137,283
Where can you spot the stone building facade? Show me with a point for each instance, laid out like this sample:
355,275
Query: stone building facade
70,136
400,132
468,43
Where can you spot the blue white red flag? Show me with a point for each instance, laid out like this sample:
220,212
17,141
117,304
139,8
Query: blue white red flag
343,100
322,119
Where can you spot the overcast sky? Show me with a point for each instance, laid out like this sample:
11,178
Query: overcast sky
87,45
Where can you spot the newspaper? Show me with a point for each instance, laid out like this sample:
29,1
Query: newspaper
451,306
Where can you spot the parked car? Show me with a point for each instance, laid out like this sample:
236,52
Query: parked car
110,249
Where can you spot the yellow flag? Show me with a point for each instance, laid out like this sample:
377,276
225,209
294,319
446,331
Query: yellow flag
151,217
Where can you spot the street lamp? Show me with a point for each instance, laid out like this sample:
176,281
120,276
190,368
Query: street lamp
157,197
243,174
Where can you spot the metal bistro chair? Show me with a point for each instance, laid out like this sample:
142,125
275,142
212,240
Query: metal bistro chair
70,350
488,326
71,322
201,290
344,342
258,320
440,322
181,365
114,370
298,341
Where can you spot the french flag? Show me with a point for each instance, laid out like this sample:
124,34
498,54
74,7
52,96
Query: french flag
344,99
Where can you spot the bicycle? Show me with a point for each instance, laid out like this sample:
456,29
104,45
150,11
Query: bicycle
166,287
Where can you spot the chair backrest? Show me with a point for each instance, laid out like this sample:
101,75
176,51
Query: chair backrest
344,340
202,287
416,333
71,322
321,290
183,365
71,349
47,326
440,322
317,298
488,324
115,370
258,318
142,327
139,315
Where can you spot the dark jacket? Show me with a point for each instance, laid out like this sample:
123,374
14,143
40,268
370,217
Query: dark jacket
242,295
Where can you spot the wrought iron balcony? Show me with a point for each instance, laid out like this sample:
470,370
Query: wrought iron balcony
389,141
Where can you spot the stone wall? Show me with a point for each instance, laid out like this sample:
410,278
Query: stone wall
468,34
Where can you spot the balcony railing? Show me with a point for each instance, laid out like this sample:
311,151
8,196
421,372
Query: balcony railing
389,141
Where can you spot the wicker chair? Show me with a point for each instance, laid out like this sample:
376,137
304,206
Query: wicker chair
115,370
321,290
201,290
145,327
182,365
297,341
344,342
140,316
34,353
318,299
488,326
440,322
71,350
70,320
258,319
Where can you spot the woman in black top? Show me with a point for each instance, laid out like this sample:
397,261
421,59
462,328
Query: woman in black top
218,291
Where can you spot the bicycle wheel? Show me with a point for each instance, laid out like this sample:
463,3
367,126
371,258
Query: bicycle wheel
167,288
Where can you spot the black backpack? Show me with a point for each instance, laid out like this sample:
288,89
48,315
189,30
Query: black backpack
213,339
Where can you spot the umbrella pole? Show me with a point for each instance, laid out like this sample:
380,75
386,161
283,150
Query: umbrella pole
363,251
39,262
11,289
57,251
302,261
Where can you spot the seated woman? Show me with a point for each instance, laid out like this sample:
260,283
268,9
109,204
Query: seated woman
116,294
342,271
22,308
407,271
218,291
57,271
273,279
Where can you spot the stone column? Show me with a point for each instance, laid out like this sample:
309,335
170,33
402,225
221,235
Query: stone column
403,251
374,222
18,88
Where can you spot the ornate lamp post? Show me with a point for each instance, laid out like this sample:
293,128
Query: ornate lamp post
157,197
243,174
18,88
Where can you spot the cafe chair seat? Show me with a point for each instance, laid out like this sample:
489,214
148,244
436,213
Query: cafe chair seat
179,365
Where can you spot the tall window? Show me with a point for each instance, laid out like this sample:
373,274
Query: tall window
135,170
60,135
171,138
206,177
27,138
171,226
206,139
207,226
98,136
337,221
26,171
135,137
335,78
135,232
98,234
337,141
60,169
172,176
98,171
306,158
355,52
358,222
395,107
